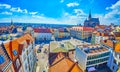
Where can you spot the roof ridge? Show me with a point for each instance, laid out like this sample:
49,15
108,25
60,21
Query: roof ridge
72,67
57,62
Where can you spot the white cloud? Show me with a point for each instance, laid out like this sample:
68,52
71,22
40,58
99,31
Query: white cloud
7,8
107,8
103,20
116,5
33,19
114,13
18,9
36,17
33,13
25,11
77,18
66,18
79,12
6,13
61,1
72,4
5,5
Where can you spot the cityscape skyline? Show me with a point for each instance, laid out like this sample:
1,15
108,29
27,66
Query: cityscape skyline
59,11
60,36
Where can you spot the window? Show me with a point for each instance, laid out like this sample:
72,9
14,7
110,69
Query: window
14,52
113,67
27,52
2,59
26,66
17,63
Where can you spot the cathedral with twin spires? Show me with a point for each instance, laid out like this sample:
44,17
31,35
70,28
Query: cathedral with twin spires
91,22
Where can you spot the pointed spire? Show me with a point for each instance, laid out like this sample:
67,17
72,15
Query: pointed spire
11,22
89,17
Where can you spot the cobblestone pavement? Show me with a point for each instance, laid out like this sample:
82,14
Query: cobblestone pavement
42,63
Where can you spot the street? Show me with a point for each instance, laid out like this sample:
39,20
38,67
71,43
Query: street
42,63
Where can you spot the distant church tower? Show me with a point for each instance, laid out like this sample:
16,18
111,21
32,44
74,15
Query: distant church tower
89,17
91,22
11,25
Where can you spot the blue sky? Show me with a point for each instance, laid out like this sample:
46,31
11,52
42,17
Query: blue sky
59,11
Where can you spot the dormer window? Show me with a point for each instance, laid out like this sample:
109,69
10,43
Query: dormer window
2,59
14,52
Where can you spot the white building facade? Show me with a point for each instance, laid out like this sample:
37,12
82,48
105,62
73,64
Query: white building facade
42,34
91,57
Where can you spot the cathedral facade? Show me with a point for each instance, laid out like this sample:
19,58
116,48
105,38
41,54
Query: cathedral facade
91,22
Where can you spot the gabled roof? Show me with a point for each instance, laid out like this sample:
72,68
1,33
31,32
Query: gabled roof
17,44
108,43
10,46
117,34
76,68
64,64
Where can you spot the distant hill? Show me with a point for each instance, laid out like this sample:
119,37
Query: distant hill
37,25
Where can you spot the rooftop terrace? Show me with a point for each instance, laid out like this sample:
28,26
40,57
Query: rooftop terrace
95,50
61,46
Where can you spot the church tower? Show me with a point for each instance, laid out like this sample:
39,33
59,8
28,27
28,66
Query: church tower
89,17
11,22
12,25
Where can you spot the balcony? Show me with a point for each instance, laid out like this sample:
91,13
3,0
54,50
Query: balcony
98,56
98,61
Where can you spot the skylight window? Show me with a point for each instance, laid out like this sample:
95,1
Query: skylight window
14,52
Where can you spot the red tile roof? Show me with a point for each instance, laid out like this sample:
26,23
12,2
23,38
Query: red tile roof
108,43
42,30
101,26
83,28
17,44
63,64
10,47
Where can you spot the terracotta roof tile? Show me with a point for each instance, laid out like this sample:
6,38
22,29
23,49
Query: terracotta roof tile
108,43
63,64
83,28
17,44
42,30
10,47
76,68
117,48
